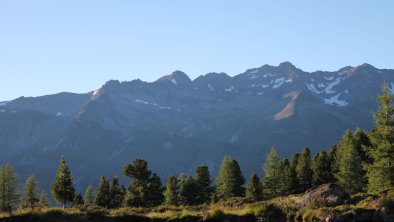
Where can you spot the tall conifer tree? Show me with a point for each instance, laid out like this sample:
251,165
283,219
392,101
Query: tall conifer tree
30,194
8,189
229,182
350,171
103,196
304,171
380,172
62,188
204,184
171,193
254,189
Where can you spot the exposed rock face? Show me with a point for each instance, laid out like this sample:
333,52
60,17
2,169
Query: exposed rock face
331,194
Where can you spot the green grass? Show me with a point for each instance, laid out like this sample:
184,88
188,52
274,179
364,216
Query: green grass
235,209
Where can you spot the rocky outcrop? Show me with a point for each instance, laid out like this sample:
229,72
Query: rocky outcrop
327,194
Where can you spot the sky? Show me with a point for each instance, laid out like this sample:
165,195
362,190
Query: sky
50,46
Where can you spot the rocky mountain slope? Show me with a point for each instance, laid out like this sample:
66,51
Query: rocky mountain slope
177,123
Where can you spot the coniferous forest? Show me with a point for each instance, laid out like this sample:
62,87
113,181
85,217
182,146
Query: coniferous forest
359,169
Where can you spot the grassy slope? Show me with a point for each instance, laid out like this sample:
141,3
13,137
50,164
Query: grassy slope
236,209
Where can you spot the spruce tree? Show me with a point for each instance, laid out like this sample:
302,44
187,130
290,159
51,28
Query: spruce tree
117,193
254,189
287,178
8,189
43,201
62,188
294,187
321,167
89,197
171,193
229,182
304,171
187,190
30,196
380,172
103,196
333,160
155,191
273,175
203,182
350,170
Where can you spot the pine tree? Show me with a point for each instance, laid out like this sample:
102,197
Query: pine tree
138,190
146,189
155,191
8,189
273,175
287,178
62,188
43,201
171,193
203,182
229,182
29,196
89,197
187,190
103,197
350,171
333,160
78,200
321,167
117,193
304,171
254,189
380,172
294,187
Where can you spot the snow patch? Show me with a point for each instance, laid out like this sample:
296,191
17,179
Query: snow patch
165,107
141,101
58,114
254,77
321,85
278,82
254,71
95,92
289,81
330,86
2,111
329,78
229,89
347,91
260,93
3,103
334,100
312,88
211,89
174,81
264,86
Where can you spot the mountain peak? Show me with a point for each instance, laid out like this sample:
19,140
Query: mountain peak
176,77
287,65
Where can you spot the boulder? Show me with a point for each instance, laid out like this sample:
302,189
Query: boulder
329,194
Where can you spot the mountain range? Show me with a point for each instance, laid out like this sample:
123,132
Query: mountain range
176,123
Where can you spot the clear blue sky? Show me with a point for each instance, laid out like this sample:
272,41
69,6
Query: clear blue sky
73,45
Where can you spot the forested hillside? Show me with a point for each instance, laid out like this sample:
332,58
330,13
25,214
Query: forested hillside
361,165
